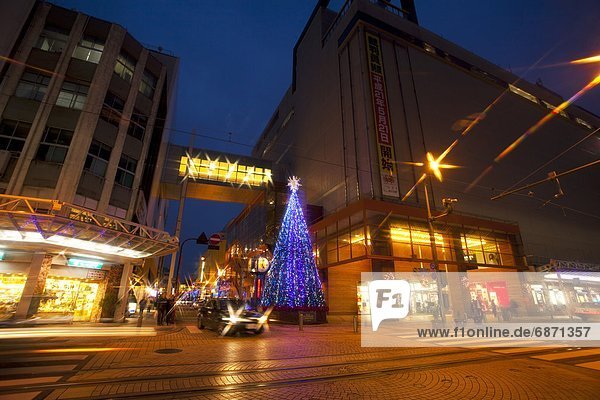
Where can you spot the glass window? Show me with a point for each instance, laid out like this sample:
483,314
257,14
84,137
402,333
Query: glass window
523,93
137,125
89,49
112,109
72,95
52,39
148,84
125,66
33,86
97,158
54,145
13,135
126,171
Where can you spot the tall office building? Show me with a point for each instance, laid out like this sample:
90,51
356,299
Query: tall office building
372,93
83,106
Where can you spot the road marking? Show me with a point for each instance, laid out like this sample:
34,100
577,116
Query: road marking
593,365
568,354
50,358
29,381
20,396
37,370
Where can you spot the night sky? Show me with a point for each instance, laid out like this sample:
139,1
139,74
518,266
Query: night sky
236,61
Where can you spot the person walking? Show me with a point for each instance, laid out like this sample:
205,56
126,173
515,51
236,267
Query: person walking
143,303
494,310
161,309
170,316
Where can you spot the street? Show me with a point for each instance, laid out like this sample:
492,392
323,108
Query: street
320,362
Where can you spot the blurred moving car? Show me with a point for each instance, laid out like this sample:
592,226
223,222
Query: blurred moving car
230,316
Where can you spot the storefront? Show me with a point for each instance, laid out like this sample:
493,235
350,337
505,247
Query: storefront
374,236
11,289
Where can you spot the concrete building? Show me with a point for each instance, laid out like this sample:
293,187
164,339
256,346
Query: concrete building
373,92
83,106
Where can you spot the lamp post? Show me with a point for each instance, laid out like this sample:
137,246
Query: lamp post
433,167
202,239
202,270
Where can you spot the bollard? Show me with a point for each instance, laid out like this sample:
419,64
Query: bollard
355,323
301,321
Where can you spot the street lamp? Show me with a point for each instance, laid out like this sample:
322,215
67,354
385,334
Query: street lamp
433,167
202,239
202,271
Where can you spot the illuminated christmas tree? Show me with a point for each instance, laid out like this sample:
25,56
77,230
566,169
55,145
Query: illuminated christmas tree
292,282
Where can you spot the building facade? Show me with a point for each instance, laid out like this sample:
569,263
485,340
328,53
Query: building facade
83,106
372,93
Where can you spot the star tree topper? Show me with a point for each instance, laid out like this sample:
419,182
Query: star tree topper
294,183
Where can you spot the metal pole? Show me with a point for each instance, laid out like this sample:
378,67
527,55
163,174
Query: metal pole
202,272
182,196
434,255
300,321
355,323
178,265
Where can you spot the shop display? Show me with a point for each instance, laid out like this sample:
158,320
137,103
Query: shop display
11,288
69,296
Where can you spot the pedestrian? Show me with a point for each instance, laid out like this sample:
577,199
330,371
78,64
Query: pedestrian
170,311
161,308
143,303
494,309
141,315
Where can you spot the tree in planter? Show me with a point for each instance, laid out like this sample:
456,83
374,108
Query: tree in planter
109,303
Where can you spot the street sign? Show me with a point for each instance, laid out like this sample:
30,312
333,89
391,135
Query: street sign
214,241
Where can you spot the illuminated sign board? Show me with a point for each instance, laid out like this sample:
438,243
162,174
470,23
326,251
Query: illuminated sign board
224,171
80,263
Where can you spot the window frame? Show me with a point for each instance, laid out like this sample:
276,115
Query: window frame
61,143
148,84
126,171
97,159
89,45
53,36
17,138
76,94
125,63
38,85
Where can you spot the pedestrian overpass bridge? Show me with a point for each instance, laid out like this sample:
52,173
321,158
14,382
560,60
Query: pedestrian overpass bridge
209,175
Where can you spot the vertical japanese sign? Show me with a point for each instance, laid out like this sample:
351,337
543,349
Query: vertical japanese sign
383,130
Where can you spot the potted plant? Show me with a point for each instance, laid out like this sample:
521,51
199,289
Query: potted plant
109,305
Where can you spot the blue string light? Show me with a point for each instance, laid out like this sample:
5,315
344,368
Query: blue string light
292,282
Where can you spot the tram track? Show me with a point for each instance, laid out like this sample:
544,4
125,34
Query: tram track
256,385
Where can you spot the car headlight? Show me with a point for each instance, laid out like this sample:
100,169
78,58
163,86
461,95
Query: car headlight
263,319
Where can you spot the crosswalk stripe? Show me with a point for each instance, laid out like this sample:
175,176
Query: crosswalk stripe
75,357
568,354
29,381
592,365
20,396
37,370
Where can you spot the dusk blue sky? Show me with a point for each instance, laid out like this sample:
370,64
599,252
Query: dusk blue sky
236,60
